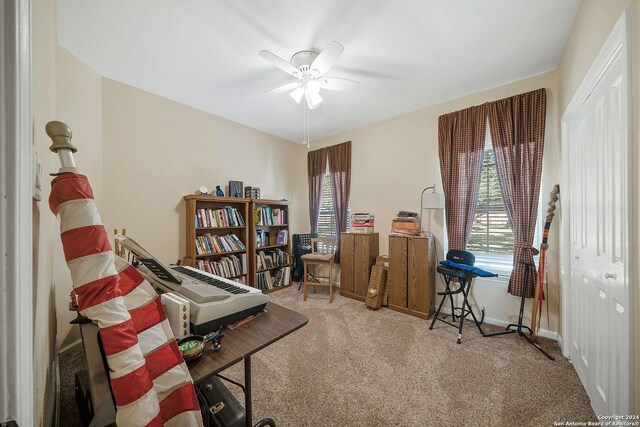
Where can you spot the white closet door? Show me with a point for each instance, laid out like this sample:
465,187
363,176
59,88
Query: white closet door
599,242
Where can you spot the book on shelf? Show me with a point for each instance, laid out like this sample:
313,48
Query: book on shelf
407,214
207,244
230,266
271,259
282,237
266,215
362,216
362,230
408,225
262,238
224,217
405,231
267,280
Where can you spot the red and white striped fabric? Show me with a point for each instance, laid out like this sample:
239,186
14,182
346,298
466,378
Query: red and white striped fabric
149,378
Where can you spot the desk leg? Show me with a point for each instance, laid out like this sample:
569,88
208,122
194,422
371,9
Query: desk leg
247,396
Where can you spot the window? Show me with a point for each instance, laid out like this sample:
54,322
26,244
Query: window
491,232
326,218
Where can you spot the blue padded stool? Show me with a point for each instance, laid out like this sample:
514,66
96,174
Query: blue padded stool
463,278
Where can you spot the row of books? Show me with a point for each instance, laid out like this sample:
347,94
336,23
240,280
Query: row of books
241,279
212,244
225,217
270,279
228,266
362,222
406,223
270,216
271,259
262,238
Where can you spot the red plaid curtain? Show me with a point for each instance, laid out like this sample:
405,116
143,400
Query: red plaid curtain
517,131
316,167
340,173
461,137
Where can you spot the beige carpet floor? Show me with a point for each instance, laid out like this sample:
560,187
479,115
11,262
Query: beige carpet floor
351,366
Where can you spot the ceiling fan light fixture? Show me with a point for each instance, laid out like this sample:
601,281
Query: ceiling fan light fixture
315,97
297,94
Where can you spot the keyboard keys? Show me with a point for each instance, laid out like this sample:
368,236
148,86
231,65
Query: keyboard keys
211,281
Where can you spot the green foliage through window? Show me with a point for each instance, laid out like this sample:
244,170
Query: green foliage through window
491,231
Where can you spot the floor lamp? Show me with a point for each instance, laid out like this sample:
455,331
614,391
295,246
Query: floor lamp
430,201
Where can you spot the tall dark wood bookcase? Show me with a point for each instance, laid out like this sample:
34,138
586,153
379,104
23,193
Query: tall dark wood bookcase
196,202
271,242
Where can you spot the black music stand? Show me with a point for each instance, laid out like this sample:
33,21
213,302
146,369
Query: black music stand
519,326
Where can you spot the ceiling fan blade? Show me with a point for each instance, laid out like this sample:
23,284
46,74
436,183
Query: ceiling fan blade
284,88
327,57
280,63
334,83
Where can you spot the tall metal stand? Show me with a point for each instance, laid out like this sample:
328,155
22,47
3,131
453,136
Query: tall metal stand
519,326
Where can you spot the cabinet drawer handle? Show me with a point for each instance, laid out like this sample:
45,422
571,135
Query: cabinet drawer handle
610,275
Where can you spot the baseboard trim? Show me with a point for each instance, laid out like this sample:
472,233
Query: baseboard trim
544,333
69,347
561,343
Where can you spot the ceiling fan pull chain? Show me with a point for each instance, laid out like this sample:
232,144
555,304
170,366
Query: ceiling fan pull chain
308,127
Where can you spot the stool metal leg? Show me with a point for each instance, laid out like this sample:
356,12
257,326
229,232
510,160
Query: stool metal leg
435,316
466,300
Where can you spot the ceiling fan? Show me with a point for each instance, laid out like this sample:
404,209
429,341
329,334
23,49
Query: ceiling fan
309,67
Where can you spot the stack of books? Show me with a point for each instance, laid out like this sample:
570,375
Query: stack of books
406,223
362,222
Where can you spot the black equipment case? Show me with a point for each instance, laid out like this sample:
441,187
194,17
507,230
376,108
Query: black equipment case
219,407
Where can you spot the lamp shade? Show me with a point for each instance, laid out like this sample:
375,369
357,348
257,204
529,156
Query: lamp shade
433,201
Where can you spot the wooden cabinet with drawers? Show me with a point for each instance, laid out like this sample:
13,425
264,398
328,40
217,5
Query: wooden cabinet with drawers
412,269
358,254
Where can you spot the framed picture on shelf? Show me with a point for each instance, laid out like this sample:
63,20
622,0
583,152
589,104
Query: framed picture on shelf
235,188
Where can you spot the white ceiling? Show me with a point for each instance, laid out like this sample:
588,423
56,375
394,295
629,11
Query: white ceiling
408,54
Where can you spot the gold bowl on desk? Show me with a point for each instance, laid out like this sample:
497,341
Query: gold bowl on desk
192,347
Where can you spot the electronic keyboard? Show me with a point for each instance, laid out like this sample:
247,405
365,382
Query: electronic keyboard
214,301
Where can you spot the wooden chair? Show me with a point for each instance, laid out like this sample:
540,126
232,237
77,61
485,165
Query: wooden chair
322,252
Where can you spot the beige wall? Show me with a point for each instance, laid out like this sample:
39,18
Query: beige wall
593,23
155,151
78,102
63,89
43,108
394,159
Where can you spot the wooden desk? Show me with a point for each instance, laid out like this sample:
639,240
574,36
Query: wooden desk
243,342
237,344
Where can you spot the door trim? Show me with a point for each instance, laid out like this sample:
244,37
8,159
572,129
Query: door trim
16,190
616,44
